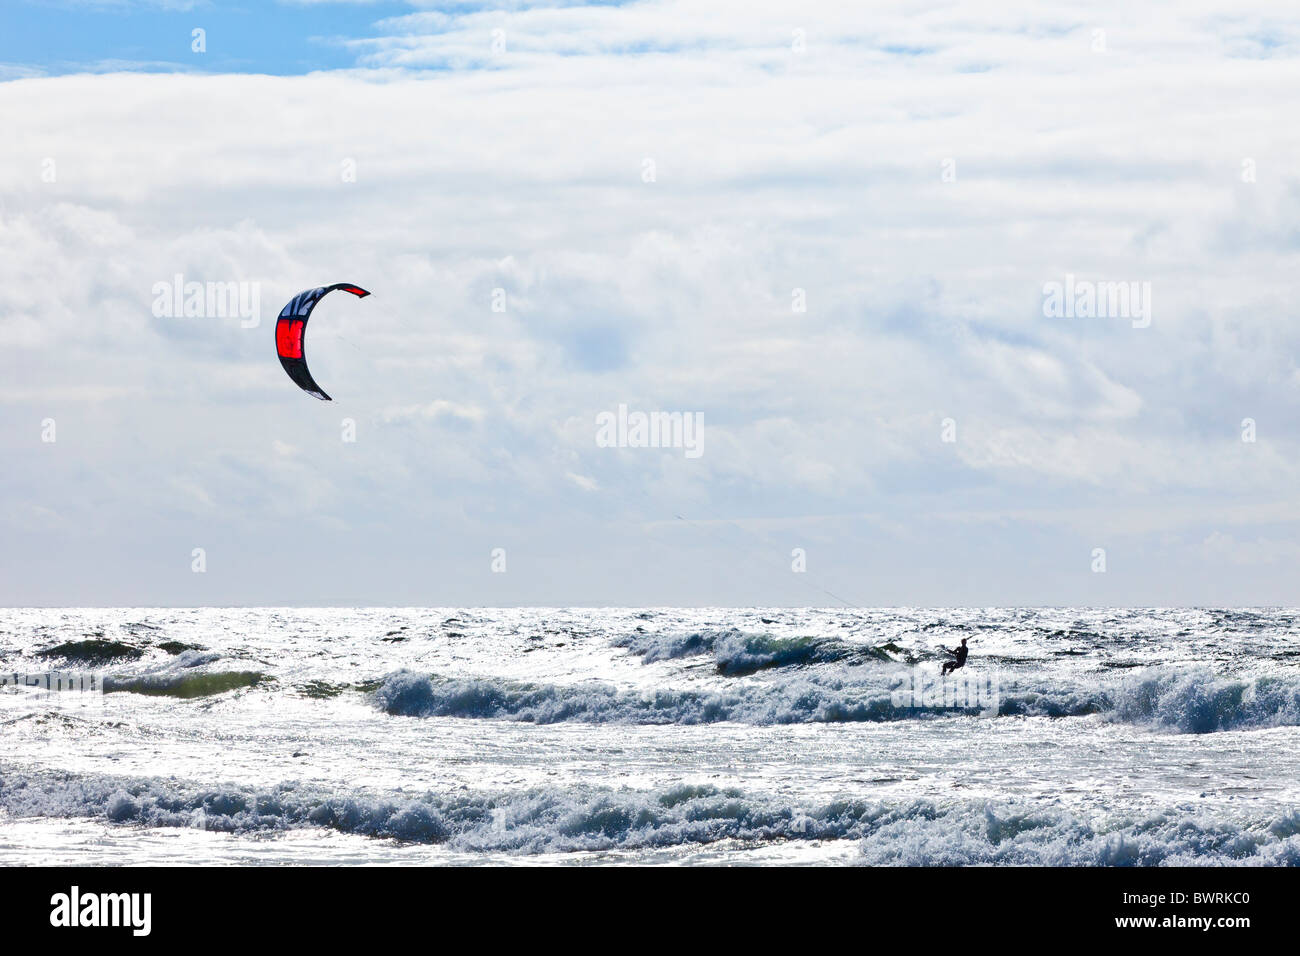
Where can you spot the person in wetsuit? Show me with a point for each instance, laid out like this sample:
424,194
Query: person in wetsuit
959,659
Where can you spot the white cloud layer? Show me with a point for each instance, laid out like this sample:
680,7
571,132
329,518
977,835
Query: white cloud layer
793,153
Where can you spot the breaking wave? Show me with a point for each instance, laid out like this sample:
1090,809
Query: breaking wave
808,700
736,653
922,834
1194,702
1200,702
914,832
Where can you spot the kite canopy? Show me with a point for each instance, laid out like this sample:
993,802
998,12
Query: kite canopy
290,328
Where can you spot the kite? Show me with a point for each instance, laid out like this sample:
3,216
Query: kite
290,328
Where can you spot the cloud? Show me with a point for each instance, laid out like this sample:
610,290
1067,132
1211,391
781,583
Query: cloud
691,208
432,410
583,482
1224,547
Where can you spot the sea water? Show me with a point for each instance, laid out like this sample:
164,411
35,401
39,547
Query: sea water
546,735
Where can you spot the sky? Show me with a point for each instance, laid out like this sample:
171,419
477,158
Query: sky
837,237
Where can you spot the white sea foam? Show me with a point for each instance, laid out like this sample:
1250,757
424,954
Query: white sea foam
910,832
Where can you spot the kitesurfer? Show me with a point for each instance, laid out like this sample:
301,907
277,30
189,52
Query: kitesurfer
959,658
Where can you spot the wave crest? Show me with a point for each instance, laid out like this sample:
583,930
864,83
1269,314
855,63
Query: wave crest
916,832
797,700
1199,701
1196,701
737,653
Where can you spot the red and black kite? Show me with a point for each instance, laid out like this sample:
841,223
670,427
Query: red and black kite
290,328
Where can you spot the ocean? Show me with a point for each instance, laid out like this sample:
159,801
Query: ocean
547,736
